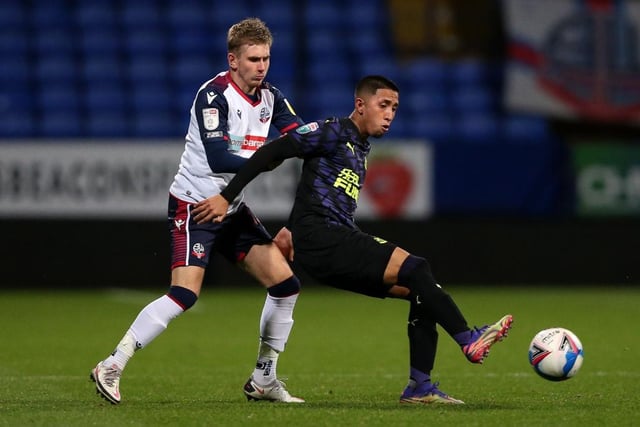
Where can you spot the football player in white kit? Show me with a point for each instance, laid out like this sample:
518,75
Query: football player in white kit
230,119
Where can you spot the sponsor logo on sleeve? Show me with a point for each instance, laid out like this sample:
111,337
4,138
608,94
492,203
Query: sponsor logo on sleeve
309,127
210,117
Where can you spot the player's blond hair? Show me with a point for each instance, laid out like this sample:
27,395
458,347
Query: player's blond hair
248,31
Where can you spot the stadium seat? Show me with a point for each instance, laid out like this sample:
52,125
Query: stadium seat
196,41
151,97
100,41
56,67
279,15
105,98
519,128
156,124
13,42
12,14
49,15
17,124
434,127
141,40
54,40
141,13
184,14
425,101
102,69
323,16
193,70
147,68
60,124
15,69
478,128
96,14
473,99
425,72
58,97
220,15
110,124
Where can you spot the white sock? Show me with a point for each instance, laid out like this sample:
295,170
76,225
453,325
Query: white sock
151,322
275,326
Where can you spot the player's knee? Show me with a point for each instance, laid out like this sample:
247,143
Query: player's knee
415,270
286,288
184,297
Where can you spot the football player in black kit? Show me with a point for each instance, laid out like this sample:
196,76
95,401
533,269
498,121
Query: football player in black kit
331,247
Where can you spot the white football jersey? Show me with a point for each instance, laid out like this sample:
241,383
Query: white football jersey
222,114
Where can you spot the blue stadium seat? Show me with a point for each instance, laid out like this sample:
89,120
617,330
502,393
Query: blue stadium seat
60,124
50,14
329,70
12,14
434,127
425,101
17,124
185,14
106,97
425,72
110,124
279,15
16,97
147,68
96,14
13,42
383,65
16,69
142,13
150,123
219,14
54,40
151,97
478,128
58,97
325,15
56,67
102,69
196,41
520,128
145,40
193,70
100,41
474,99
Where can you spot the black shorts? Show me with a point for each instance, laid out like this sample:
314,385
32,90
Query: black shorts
193,243
344,258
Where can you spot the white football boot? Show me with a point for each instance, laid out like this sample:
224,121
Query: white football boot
107,379
275,392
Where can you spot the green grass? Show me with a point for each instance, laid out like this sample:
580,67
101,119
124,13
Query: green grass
347,357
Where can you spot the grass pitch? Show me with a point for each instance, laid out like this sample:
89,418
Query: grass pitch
347,356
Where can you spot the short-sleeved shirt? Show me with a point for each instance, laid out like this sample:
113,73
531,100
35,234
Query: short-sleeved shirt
333,172
328,244
222,113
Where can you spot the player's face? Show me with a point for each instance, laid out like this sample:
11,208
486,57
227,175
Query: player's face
378,111
249,66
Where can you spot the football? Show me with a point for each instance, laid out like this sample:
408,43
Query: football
556,354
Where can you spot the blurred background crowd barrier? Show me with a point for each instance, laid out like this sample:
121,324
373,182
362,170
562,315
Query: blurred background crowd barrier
514,156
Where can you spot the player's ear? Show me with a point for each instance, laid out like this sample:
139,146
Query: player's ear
233,61
359,104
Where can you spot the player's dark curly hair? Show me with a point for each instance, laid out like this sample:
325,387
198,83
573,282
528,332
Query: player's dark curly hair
249,30
370,84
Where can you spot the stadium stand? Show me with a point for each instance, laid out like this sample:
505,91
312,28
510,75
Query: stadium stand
90,69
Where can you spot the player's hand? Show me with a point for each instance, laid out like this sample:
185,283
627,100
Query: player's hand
284,242
211,209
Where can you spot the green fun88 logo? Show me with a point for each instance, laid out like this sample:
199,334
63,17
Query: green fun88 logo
607,179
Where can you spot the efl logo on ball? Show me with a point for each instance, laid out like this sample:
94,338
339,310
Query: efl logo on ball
556,354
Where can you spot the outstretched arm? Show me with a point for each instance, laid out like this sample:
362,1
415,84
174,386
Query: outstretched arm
266,158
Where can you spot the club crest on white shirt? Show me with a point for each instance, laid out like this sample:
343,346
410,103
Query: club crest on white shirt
211,118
